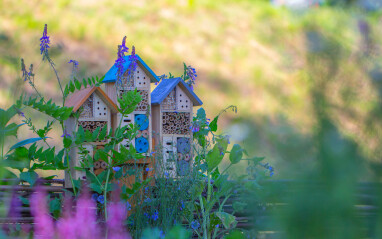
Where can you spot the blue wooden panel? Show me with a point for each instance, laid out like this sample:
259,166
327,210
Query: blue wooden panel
183,168
142,121
183,145
141,145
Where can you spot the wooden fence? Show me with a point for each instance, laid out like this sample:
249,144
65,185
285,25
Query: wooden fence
274,197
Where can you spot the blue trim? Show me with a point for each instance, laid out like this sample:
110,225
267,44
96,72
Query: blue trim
166,86
111,75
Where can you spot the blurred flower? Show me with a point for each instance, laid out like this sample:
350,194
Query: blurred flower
128,206
101,199
44,42
75,63
65,134
161,234
116,169
133,60
86,217
155,216
181,205
115,223
147,200
43,227
217,226
195,129
164,76
195,225
95,197
122,49
148,169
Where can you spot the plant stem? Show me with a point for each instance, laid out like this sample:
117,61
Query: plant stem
58,78
204,225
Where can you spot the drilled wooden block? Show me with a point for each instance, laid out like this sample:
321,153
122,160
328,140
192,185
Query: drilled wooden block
141,79
128,79
143,105
87,108
182,100
92,125
100,108
176,123
169,102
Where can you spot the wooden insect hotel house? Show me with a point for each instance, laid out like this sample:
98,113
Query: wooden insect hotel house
164,117
172,106
96,110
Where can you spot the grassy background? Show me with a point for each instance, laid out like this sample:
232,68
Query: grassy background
267,60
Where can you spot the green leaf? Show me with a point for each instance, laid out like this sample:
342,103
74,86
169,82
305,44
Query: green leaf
103,133
67,142
95,133
88,136
228,220
77,84
96,187
19,159
236,154
214,124
201,113
25,142
24,200
55,207
30,177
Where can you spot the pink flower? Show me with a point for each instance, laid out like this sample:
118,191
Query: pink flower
44,226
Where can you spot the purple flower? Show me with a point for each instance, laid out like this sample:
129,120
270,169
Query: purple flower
195,129
148,169
44,42
75,63
190,75
116,169
161,234
181,205
133,60
217,226
94,197
21,113
86,218
155,216
116,216
195,225
44,226
65,134
147,200
101,199
128,206
122,49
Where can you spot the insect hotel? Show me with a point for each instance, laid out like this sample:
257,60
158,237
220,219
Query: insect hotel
96,110
164,116
172,106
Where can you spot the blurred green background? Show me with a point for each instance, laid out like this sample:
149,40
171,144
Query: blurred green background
287,69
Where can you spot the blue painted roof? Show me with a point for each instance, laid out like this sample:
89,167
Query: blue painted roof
167,85
111,75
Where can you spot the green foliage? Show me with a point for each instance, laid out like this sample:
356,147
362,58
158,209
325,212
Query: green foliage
129,101
60,113
74,85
